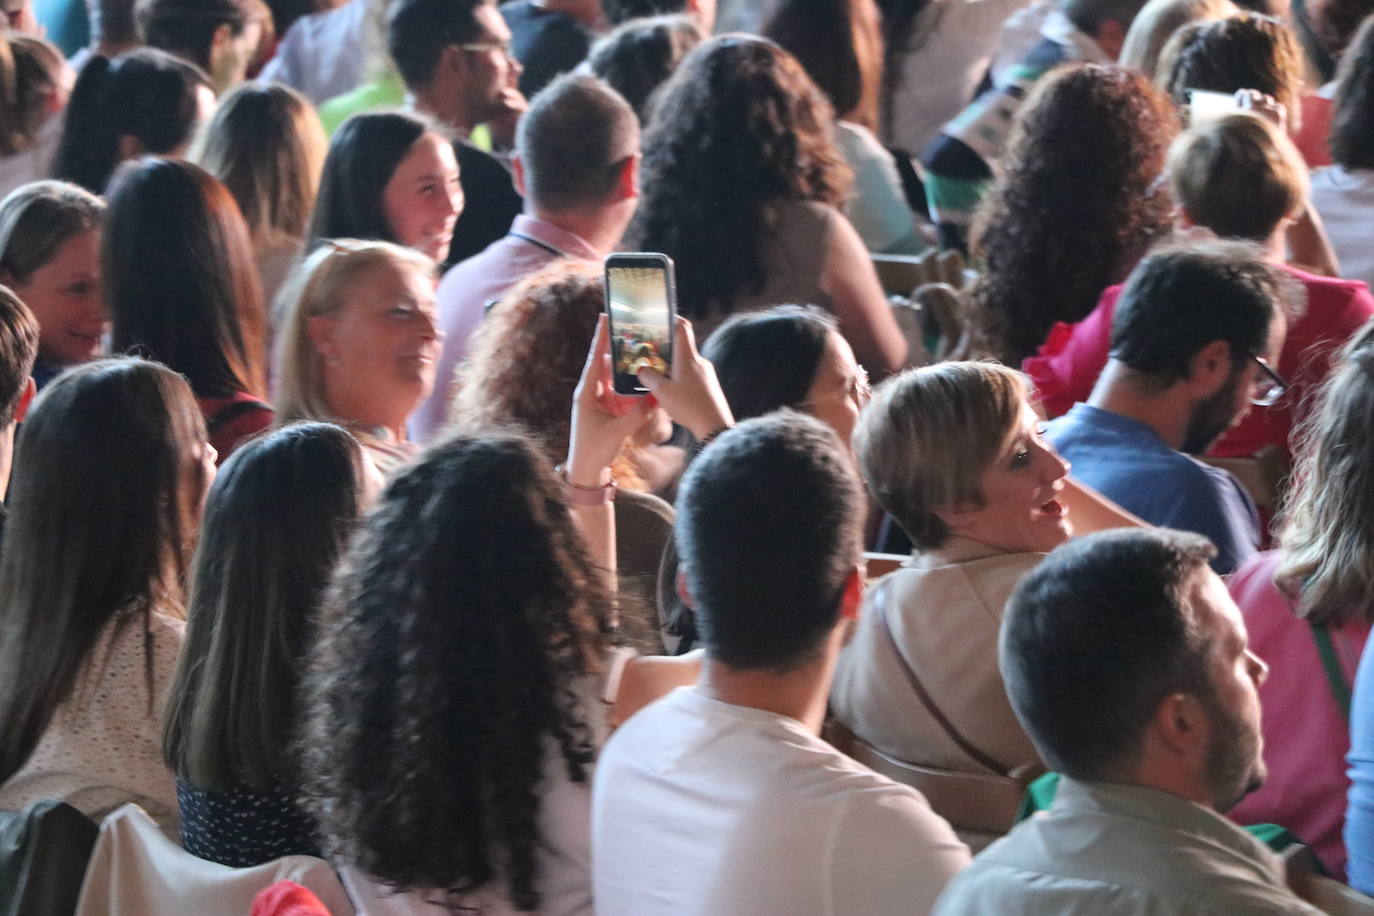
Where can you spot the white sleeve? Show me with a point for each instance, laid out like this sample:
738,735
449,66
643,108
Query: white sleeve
891,854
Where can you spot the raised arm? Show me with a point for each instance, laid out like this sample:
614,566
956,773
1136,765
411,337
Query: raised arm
857,298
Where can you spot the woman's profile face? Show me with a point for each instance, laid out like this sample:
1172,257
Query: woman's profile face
423,199
1020,512
65,296
839,389
380,346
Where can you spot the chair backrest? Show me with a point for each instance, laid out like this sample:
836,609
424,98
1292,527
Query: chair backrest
899,274
44,850
136,869
1263,475
979,807
880,564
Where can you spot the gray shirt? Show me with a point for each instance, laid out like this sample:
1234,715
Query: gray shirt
1117,849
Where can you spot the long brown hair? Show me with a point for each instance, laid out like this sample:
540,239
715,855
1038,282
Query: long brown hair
839,43
1328,528
180,278
106,496
266,145
276,521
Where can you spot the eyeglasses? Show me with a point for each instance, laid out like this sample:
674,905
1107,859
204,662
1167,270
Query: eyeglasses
857,390
1269,387
480,47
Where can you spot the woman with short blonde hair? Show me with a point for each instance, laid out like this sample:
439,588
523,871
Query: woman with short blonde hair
1238,175
954,452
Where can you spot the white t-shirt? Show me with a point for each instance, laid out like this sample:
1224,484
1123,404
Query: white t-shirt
564,858
700,806
878,207
1344,199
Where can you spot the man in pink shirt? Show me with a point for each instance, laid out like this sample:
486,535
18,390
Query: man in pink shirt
576,163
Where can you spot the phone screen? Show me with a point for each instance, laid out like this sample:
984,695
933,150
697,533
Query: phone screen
639,299
1205,105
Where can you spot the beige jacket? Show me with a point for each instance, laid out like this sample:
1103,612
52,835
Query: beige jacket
943,609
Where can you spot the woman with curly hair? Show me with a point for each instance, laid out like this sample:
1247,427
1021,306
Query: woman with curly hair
1076,204
553,313
456,700
742,182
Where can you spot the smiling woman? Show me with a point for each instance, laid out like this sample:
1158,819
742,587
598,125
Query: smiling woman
50,258
954,453
389,176
358,343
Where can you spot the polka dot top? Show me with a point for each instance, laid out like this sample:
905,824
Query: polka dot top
244,827
103,747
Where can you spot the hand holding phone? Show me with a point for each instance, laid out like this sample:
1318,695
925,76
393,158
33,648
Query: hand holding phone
692,397
641,304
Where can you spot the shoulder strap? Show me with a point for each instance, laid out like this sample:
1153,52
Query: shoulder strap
1335,678
983,759
1331,666
231,412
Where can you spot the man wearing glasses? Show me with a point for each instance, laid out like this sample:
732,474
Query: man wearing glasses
455,59
1194,337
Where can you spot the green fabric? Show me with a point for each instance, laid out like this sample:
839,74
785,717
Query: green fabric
1040,796
386,92
1335,678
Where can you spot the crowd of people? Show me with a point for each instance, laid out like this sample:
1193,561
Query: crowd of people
325,531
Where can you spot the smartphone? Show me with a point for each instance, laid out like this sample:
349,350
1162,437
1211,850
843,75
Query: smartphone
1205,105
641,302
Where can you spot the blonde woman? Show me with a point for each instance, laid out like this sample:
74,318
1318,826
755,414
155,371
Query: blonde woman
267,147
358,342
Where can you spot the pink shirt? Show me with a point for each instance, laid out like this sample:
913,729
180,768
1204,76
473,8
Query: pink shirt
1306,735
1067,365
1315,136
469,285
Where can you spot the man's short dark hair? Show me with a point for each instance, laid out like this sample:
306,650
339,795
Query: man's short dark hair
188,26
1096,636
769,529
418,31
574,142
1182,297
618,11
18,350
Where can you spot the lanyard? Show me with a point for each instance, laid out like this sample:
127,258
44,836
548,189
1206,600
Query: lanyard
536,243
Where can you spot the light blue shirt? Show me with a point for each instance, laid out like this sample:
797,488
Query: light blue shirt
1127,462
1359,815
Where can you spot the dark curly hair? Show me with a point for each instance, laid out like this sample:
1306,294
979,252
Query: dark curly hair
1075,205
739,126
456,630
